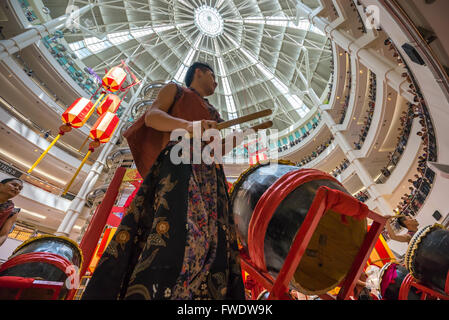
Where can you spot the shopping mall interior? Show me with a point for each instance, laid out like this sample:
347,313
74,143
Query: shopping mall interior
357,90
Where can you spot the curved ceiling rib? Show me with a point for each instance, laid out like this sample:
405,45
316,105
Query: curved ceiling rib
262,55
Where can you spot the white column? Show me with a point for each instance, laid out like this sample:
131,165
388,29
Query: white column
36,33
385,70
360,169
78,203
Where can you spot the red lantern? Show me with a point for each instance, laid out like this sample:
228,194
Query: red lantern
114,79
101,132
76,115
105,126
110,103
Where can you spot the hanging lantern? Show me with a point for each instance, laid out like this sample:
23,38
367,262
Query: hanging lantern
73,117
101,132
105,126
76,115
114,79
111,103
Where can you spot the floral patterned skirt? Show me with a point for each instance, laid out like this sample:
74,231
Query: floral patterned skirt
177,239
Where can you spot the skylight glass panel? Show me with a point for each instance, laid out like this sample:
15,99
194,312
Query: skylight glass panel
119,37
163,28
79,49
141,32
96,45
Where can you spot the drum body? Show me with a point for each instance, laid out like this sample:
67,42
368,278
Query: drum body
427,256
47,258
390,280
333,246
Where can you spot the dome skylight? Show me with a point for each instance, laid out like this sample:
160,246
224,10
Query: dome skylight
209,21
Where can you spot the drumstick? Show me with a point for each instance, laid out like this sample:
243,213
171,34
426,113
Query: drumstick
263,125
248,117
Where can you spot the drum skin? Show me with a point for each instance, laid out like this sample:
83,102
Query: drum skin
394,285
333,246
427,256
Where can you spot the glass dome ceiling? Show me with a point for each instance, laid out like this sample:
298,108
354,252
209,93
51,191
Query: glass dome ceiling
262,54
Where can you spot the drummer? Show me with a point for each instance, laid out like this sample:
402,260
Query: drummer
177,240
406,222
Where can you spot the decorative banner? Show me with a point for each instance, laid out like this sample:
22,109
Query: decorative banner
131,175
257,150
9,170
107,237
110,103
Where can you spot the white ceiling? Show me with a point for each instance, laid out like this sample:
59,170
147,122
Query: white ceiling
263,57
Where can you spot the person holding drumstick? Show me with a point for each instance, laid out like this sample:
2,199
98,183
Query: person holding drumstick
177,240
406,222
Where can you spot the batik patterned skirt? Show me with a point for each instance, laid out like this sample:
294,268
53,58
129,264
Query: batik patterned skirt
177,239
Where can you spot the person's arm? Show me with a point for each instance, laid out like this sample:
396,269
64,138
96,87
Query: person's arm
393,235
158,117
6,228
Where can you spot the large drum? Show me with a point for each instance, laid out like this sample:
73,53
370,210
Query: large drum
391,277
427,256
267,236
49,258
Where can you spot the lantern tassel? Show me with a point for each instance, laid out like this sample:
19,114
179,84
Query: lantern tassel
100,98
44,153
76,173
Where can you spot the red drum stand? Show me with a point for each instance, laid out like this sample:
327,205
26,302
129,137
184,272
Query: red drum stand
324,200
29,288
426,292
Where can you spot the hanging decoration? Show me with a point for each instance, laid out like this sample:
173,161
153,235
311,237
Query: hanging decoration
101,132
80,111
74,117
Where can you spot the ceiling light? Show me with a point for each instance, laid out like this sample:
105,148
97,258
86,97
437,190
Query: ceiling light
77,227
34,214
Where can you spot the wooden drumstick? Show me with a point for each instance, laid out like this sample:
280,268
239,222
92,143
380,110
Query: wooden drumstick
242,119
239,120
263,125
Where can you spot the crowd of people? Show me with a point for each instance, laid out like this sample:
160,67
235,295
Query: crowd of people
298,140
362,195
346,102
340,168
370,112
318,150
404,129
421,184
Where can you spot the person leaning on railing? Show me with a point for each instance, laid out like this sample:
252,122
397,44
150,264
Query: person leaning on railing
9,188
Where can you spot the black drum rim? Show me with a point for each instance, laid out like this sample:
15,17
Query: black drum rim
414,244
250,170
48,236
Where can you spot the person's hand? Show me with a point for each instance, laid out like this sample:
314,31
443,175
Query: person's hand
208,124
205,125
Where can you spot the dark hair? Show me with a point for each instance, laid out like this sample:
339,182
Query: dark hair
5,181
191,71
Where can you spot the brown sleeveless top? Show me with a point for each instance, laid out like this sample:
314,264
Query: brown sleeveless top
147,143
